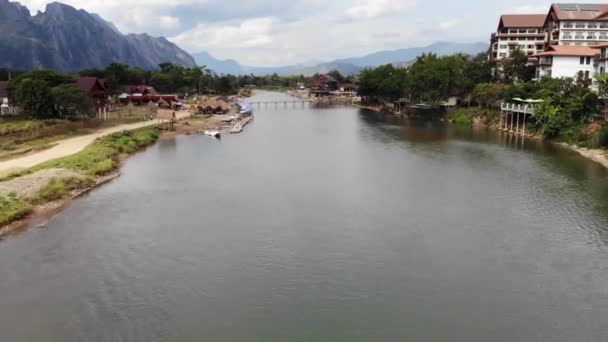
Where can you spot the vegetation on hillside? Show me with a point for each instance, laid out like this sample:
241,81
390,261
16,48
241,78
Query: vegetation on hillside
569,107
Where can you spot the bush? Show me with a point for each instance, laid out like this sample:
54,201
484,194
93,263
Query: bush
602,137
13,209
60,188
462,118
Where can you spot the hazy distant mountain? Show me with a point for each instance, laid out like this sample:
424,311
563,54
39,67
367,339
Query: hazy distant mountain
228,66
67,39
306,70
407,55
346,66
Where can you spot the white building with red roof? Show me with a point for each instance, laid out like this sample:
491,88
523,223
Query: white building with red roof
561,61
577,24
518,31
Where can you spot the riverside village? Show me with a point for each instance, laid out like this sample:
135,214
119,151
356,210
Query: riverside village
357,170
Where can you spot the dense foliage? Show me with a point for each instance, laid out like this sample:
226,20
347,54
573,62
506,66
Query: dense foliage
569,105
430,78
175,79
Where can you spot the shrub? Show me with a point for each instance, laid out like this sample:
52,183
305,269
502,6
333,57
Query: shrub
462,118
12,209
602,137
60,188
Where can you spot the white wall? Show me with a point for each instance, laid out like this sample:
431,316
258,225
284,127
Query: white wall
566,66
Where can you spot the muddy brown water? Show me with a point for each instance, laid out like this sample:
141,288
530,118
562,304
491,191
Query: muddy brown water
322,225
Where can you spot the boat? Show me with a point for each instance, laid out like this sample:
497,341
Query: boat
215,134
246,109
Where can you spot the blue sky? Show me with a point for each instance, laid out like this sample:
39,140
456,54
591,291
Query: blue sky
281,32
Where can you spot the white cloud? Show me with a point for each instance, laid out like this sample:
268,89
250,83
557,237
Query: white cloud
128,15
528,9
168,22
250,33
376,8
451,23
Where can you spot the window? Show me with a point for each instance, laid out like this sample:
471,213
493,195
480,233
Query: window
567,35
579,36
591,35
582,60
603,25
603,36
587,74
602,70
502,54
503,47
531,47
592,25
579,25
578,44
522,31
512,30
503,39
532,31
588,60
568,25
539,47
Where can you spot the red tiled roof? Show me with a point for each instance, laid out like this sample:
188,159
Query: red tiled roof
90,84
574,11
562,50
522,20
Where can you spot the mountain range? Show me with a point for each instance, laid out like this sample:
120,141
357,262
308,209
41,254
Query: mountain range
67,39
346,66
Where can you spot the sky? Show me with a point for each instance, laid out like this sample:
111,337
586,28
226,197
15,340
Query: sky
284,32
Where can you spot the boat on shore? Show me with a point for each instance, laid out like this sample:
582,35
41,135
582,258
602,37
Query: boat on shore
214,134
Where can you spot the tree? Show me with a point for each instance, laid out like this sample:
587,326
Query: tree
70,101
489,94
337,75
551,119
602,85
35,98
517,69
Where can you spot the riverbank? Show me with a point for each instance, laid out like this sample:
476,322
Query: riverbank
489,119
31,195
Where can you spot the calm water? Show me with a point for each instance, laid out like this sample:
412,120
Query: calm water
322,225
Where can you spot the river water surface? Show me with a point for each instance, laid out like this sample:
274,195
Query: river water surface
322,225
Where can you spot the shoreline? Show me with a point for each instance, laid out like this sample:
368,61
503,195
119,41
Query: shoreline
596,155
42,213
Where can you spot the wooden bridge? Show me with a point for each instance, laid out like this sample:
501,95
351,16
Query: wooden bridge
282,104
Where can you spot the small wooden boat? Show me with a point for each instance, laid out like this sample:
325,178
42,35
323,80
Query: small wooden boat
214,134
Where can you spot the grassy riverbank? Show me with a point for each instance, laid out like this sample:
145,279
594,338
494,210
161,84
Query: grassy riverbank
79,172
21,136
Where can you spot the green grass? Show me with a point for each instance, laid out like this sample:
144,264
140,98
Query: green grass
462,117
58,189
98,159
466,116
102,157
13,209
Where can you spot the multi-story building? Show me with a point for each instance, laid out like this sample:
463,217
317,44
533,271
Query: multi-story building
570,40
525,32
561,61
601,58
577,24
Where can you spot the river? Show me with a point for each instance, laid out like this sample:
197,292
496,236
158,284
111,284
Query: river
322,225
